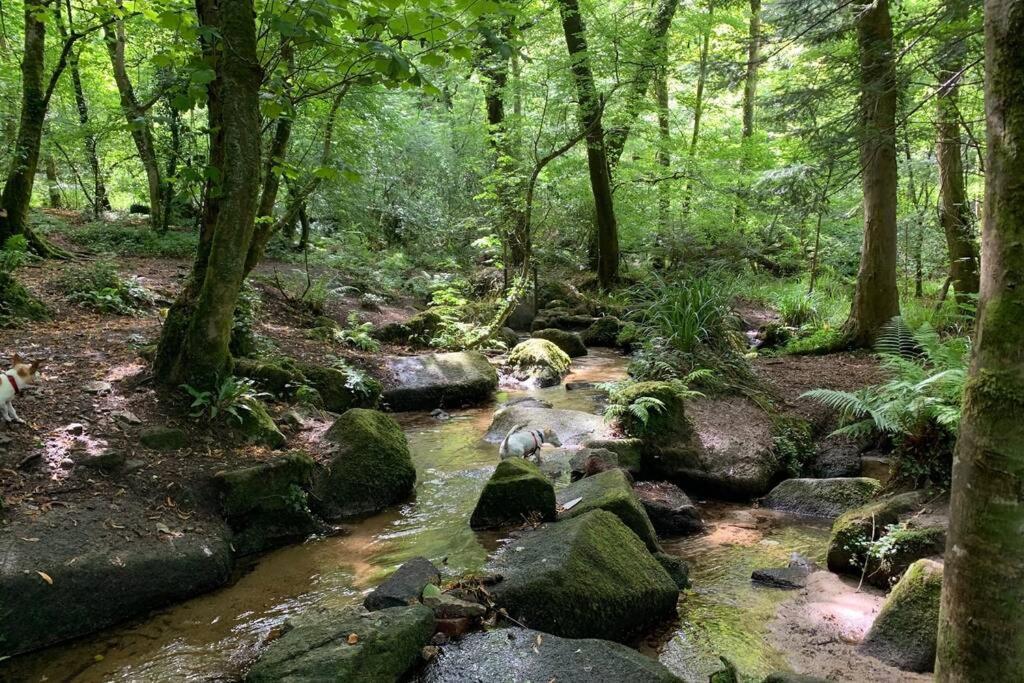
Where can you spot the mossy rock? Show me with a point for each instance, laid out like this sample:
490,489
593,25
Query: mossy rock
562,319
629,451
538,361
416,331
629,337
257,426
317,647
586,577
610,491
266,505
516,491
370,470
603,332
854,530
507,336
275,378
821,497
163,438
569,342
340,390
667,424
676,568
439,380
16,302
905,631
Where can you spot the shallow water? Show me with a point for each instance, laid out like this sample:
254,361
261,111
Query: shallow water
213,637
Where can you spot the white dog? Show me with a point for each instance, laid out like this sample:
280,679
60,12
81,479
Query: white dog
525,444
13,382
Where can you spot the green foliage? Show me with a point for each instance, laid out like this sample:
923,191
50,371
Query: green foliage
687,314
232,397
627,404
793,444
131,240
358,334
98,285
14,254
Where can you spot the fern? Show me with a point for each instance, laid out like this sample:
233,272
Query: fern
896,338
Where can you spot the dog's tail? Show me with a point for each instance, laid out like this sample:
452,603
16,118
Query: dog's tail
503,448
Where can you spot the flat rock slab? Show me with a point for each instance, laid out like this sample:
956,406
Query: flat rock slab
821,497
518,654
403,587
438,380
573,427
347,645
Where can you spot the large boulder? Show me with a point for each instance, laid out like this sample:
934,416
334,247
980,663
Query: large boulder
902,528
94,578
836,459
587,577
256,425
515,492
417,331
562,319
266,505
603,332
518,654
350,645
370,470
538,362
439,380
569,342
731,452
821,497
670,510
573,427
906,629
404,586
629,451
341,389
610,491
665,422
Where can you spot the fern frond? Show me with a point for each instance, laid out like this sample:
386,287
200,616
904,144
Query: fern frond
896,338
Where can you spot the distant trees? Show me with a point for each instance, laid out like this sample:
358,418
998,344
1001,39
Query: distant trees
981,626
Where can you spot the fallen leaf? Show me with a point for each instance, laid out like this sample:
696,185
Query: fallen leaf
45,577
353,639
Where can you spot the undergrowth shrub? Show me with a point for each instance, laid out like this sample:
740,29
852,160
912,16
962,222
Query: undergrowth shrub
132,240
16,303
232,397
98,285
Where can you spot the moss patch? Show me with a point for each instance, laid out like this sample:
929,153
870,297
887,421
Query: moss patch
603,332
516,491
257,425
612,492
539,361
16,303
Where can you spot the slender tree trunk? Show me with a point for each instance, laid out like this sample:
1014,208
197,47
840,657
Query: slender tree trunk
753,61
306,226
168,201
981,623
52,184
653,55
698,106
194,344
138,123
590,110
876,298
664,148
954,213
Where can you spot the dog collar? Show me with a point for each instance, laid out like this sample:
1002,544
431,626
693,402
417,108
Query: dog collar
14,383
536,444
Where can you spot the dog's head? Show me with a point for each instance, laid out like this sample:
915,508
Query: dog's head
550,437
27,372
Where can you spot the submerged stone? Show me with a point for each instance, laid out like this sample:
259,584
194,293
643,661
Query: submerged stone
573,427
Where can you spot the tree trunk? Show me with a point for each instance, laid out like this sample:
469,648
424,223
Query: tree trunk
954,213
652,58
664,149
876,299
52,184
981,624
138,123
753,61
590,110
194,344
698,106
17,192
168,202
306,228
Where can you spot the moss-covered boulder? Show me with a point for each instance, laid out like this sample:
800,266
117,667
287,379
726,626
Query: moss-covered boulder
440,380
629,451
569,342
417,331
663,404
515,492
676,568
518,654
671,511
901,527
610,491
821,497
341,389
603,332
370,470
562,319
538,362
278,378
905,631
266,505
586,577
256,425
319,646
572,426
163,438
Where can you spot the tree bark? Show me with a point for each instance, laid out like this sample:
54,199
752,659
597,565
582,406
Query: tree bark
954,212
981,623
876,298
52,184
698,106
138,123
653,57
590,110
664,149
753,61
194,344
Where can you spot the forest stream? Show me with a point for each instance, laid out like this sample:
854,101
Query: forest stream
214,637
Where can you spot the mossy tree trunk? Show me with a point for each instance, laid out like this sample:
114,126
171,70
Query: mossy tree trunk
876,299
664,149
698,107
590,112
954,213
52,182
194,345
981,625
